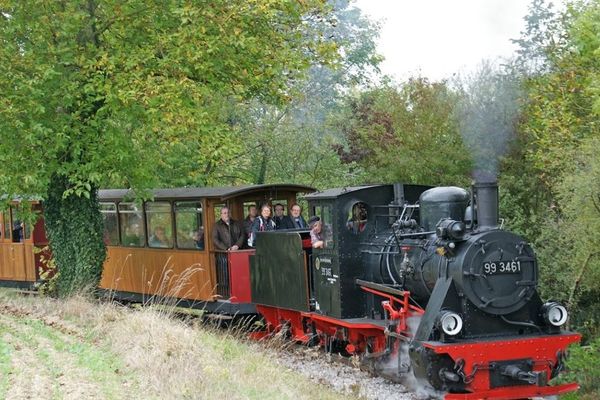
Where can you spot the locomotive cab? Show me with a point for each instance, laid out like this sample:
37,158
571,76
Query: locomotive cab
350,217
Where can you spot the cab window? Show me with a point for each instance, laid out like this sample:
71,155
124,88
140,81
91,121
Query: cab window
324,213
327,232
357,218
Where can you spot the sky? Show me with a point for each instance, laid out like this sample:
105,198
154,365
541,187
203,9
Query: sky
437,38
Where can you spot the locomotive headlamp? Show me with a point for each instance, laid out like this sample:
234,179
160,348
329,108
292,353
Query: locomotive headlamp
554,313
450,322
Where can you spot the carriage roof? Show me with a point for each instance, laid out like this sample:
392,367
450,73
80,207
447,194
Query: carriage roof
222,193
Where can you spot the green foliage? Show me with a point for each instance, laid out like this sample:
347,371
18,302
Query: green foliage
293,142
407,133
48,272
561,94
555,171
581,367
568,245
559,134
74,226
105,92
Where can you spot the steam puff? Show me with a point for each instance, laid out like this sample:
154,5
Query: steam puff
488,113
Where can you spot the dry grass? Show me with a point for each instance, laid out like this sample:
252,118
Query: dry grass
84,349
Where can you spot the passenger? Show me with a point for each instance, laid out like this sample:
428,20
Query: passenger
262,223
198,238
278,218
358,222
315,225
227,234
159,238
249,221
133,236
295,220
17,233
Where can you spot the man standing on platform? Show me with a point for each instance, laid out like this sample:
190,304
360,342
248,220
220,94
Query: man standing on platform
227,234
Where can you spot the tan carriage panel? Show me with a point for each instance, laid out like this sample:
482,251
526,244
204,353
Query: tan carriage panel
13,264
30,272
173,273
6,264
18,257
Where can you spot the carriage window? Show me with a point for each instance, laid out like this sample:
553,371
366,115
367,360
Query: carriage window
20,230
131,218
188,219
160,226
7,227
111,227
357,218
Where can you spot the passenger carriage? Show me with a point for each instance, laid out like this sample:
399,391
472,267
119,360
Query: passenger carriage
23,246
187,268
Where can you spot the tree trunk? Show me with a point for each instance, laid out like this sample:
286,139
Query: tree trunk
262,171
75,230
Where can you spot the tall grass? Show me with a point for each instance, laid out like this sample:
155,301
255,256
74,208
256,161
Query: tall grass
164,356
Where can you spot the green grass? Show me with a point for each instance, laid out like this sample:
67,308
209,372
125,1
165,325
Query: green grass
5,366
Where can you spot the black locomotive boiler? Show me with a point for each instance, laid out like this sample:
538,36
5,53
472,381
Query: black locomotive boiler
421,279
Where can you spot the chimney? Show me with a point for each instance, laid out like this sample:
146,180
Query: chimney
485,189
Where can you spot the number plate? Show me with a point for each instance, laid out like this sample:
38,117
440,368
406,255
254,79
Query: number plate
501,267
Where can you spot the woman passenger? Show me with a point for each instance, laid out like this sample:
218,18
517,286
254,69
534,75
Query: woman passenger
262,223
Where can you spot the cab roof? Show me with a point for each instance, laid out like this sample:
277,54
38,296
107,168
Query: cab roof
337,192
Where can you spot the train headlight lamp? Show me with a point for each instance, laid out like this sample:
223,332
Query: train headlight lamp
450,323
554,313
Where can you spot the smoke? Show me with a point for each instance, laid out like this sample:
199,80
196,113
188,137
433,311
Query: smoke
402,365
488,114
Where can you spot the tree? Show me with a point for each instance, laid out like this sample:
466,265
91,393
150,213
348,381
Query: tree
407,133
559,138
300,128
97,91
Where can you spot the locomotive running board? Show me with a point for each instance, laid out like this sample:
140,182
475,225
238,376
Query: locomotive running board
380,287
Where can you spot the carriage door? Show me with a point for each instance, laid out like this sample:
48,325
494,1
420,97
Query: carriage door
5,264
19,234
13,253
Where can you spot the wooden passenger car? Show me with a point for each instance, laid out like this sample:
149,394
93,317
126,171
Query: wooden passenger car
185,265
21,247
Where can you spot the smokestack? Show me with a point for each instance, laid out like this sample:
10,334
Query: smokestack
485,188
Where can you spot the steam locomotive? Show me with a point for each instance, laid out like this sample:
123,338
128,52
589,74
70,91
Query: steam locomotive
417,280
413,280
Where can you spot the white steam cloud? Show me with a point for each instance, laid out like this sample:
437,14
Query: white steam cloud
488,115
